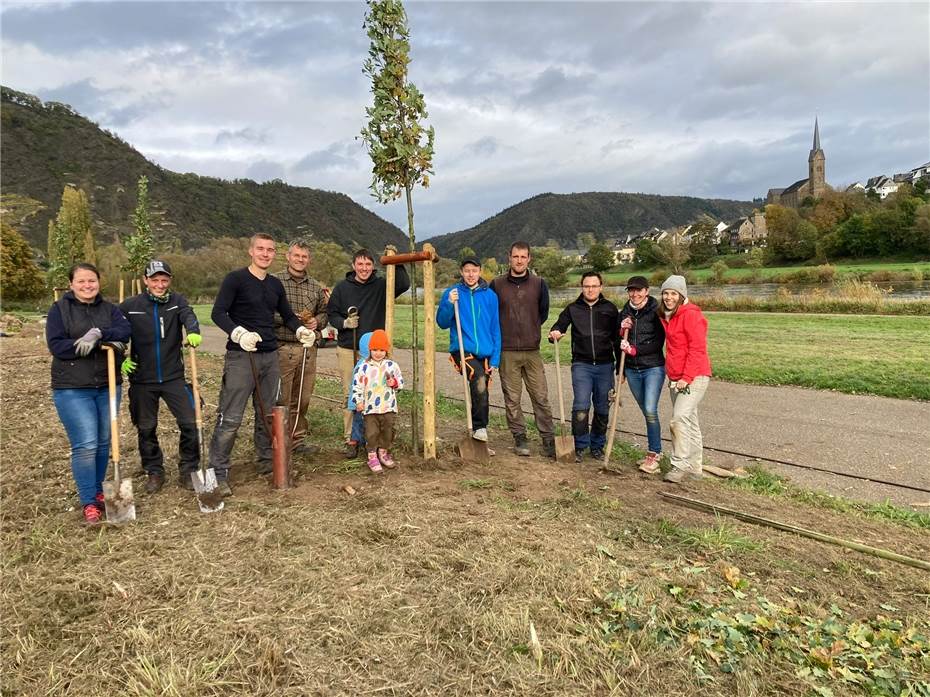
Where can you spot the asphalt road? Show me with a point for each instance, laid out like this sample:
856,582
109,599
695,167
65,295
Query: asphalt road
876,437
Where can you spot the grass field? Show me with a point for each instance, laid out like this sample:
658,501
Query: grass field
522,577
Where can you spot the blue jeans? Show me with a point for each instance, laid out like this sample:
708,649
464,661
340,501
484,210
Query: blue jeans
358,428
646,386
85,414
591,385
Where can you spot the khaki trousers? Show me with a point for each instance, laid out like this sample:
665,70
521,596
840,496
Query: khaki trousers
346,358
687,442
518,367
290,357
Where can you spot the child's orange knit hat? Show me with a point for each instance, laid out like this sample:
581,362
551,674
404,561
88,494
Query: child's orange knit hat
379,341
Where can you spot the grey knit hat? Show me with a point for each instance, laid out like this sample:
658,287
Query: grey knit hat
678,284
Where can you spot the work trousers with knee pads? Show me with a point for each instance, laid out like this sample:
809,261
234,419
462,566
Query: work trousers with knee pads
591,385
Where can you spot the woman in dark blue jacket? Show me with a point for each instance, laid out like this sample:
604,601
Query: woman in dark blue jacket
77,325
644,369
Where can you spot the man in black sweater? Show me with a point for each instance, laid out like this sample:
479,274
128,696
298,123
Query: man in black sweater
365,291
244,309
155,368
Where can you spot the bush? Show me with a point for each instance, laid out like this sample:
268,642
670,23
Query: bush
719,271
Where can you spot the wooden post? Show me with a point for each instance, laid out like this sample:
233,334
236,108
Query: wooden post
390,272
429,357
122,289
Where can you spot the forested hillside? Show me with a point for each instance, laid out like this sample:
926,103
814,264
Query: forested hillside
48,145
563,217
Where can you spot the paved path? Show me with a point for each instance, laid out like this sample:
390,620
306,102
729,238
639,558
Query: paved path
878,437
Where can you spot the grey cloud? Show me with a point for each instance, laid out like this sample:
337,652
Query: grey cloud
614,145
483,146
554,85
265,170
241,135
106,106
340,155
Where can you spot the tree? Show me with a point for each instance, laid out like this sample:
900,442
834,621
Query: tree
600,257
489,269
719,271
674,253
328,262
702,247
20,278
140,247
70,236
551,265
647,253
585,241
466,253
400,147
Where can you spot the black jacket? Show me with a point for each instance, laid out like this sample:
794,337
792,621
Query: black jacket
594,330
368,297
156,336
647,335
70,319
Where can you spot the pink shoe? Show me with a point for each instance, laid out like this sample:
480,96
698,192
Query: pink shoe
650,464
386,459
374,464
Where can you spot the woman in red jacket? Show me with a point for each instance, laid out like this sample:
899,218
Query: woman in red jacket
688,369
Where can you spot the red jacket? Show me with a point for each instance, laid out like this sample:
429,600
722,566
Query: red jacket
685,343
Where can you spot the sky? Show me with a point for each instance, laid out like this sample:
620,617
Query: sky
701,99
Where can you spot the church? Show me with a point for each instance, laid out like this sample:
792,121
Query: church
813,186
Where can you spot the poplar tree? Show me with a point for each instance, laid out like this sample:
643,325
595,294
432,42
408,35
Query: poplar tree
399,144
19,276
70,236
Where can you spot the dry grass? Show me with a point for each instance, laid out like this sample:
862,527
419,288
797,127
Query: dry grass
424,583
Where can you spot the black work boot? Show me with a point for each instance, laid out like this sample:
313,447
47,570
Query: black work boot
154,483
549,447
520,445
351,451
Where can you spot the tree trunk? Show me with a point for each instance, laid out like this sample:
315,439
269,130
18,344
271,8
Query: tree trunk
415,410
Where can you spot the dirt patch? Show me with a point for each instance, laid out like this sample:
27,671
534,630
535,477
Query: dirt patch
423,582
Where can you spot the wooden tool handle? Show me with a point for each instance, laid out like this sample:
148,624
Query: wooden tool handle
114,423
458,329
409,258
613,417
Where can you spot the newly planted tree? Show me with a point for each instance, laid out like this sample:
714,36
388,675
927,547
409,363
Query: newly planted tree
400,145
70,236
140,246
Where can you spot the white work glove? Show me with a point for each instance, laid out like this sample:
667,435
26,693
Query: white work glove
454,295
306,337
350,322
247,340
86,344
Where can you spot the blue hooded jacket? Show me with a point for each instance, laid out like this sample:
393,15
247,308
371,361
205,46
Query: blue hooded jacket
363,354
481,328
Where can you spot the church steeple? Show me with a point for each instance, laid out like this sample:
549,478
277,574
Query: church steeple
817,165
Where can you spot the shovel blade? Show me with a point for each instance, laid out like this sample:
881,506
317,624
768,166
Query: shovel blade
565,449
472,450
119,502
209,500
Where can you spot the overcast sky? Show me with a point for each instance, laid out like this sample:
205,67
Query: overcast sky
700,99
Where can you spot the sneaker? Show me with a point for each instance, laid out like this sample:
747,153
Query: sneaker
480,434
549,447
579,455
650,463
92,515
154,483
305,449
351,450
597,454
374,464
520,445
264,467
676,475
386,459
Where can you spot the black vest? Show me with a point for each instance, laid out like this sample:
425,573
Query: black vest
90,371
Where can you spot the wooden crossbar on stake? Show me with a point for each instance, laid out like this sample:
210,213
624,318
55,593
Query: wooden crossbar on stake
786,527
427,257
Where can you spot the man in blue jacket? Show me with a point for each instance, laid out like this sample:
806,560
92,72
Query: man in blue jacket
155,368
481,335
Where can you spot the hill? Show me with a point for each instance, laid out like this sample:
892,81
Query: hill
47,145
563,217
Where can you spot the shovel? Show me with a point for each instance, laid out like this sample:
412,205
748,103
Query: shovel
470,450
616,413
208,498
117,494
564,445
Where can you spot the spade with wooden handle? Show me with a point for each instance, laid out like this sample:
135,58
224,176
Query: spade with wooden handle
470,450
616,412
117,494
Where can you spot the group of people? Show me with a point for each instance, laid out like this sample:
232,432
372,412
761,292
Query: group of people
501,325
273,322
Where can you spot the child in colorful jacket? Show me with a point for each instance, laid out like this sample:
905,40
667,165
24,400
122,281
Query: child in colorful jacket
374,389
